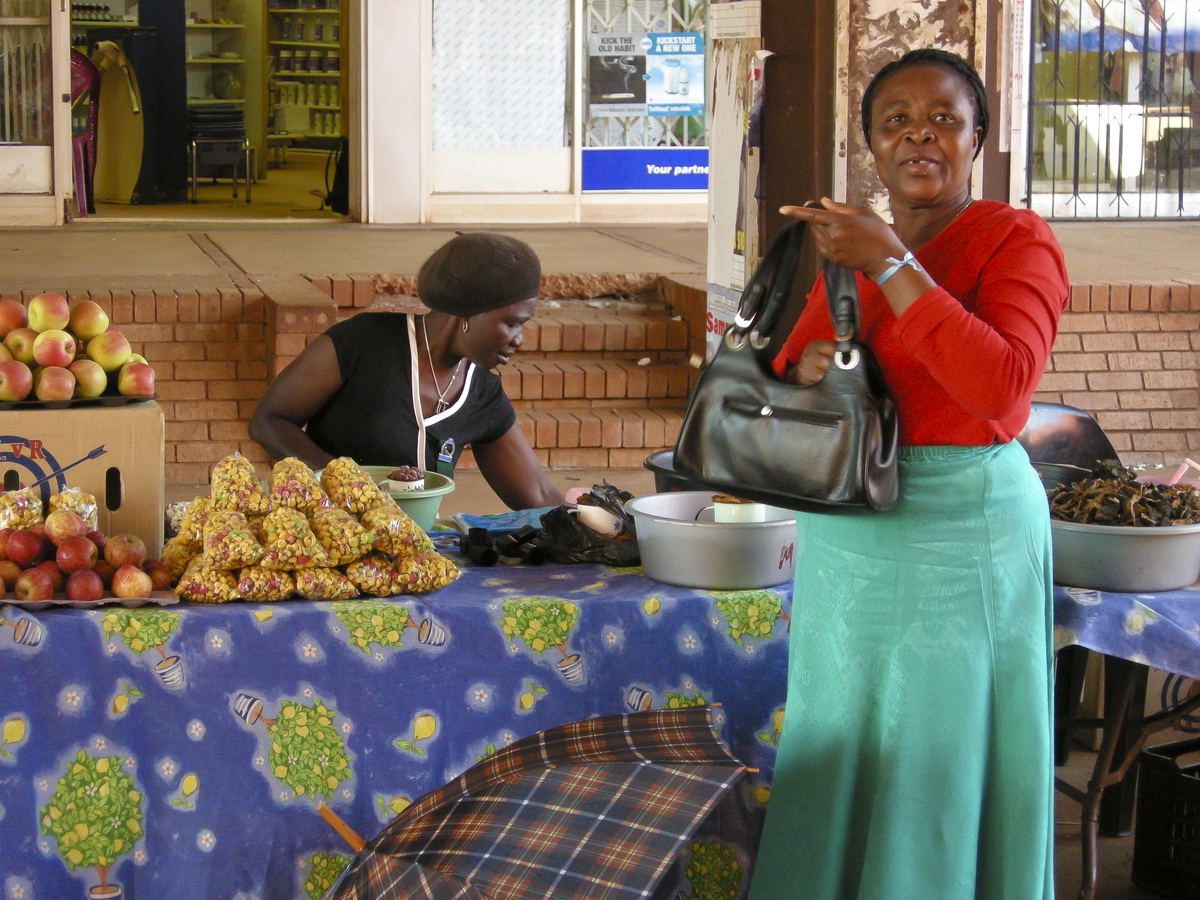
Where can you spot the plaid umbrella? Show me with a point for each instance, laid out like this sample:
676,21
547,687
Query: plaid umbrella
593,809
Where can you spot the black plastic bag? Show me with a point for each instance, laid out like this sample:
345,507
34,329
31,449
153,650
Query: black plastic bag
567,540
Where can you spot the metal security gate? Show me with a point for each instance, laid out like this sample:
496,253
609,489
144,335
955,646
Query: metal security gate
1114,112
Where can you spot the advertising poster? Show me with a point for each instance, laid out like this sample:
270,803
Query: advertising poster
674,74
616,75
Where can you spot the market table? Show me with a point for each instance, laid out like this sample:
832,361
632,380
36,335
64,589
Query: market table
1134,632
181,751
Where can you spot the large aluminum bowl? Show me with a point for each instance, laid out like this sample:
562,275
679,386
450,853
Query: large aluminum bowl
732,556
1125,558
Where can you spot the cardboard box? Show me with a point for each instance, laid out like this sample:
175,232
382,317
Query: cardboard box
114,453
292,119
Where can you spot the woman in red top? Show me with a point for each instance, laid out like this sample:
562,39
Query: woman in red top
915,758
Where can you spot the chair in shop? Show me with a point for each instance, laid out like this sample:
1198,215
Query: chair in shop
85,85
217,138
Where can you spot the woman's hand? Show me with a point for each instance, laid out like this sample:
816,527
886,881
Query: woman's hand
814,363
851,236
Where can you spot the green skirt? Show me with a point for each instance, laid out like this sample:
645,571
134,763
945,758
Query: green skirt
916,755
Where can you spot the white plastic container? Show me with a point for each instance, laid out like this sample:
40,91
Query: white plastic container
1125,558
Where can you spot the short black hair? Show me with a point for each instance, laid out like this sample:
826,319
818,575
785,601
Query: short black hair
932,57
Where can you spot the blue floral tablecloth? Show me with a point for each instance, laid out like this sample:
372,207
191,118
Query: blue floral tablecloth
180,752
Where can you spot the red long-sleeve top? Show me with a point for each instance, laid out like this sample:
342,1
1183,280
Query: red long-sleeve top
963,361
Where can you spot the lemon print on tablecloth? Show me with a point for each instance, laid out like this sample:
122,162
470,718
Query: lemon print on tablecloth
143,629
185,796
306,754
323,870
383,624
772,737
527,698
386,808
125,696
713,871
94,815
544,623
749,614
423,728
12,733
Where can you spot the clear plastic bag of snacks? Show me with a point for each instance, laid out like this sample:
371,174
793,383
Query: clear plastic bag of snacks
427,571
20,509
372,575
235,485
191,526
343,537
257,584
229,542
288,542
294,485
77,502
203,583
349,486
177,554
320,583
398,534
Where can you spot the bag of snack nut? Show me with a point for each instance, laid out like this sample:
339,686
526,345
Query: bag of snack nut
320,583
372,575
341,535
202,583
294,485
235,485
288,542
398,534
20,509
349,487
191,526
78,502
228,541
176,554
427,571
258,584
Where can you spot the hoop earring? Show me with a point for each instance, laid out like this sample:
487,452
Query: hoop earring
466,326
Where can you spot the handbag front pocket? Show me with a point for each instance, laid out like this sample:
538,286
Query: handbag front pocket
818,417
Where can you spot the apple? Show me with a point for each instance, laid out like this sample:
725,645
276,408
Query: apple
52,383
34,584
47,311
4,533
5,355
105,570
161,578
64,523
137,357
88,320
90,379
84,586
12,316
135,380
130,581
110,349
9,571
57,577
97,538
27,548
53,348
19,342
76,553
125,550
16,380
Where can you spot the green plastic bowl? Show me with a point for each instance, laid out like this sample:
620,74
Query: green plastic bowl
420,506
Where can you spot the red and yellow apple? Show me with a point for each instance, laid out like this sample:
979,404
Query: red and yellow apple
90,379
52,383
135,380
84,586
16,380
47,311
57,577
125,550
161,578
110,349
105,570
88,320
76,553
5,355
9,571
19,342
130,581
12,316
61,524
54,348
27,548
34,584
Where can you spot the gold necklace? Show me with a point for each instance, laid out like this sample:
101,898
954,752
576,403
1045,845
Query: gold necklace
442,402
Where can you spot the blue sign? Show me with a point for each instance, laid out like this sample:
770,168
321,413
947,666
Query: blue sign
645,169
674,74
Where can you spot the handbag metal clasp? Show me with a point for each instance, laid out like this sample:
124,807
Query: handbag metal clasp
847,359
735,339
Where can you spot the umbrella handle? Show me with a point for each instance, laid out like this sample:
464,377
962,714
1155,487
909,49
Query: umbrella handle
335,822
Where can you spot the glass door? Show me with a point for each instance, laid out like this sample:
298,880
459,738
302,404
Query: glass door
35,150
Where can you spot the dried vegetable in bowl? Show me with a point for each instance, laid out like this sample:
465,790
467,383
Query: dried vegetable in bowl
427,571
191,526
228,541
343,538
398,534
320,583
350,487
79,502
235,485
288,542
1116,497
20,509
294,485
257,584
204,583
177,554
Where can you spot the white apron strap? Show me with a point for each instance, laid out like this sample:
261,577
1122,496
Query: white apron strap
418,413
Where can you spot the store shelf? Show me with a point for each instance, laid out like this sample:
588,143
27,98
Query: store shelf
212,26
215,61
305,12
287,76
213,101
312,44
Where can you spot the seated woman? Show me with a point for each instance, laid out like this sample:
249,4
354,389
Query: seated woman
397,389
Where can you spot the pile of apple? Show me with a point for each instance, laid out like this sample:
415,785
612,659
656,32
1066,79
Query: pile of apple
61,556
57,351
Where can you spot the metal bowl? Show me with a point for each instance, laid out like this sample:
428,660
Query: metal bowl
1125,558
681,544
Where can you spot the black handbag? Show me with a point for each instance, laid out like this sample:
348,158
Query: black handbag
827,445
